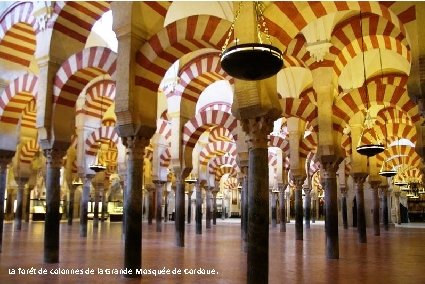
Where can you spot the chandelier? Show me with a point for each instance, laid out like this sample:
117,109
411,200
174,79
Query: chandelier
385,171
251,61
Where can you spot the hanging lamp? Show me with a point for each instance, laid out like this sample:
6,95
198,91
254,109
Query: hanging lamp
190,179
77,181
368,150
251,61
385,171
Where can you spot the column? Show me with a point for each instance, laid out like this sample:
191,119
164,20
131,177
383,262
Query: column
151,212
208,203
84,205
27,203
71,201
375,191
329,182
359,179
189,204
288,206
384,194
214,206
133,204
344,207
11,196
166,205
258,199
397,206
158,216
97,189
104,200
179,207
198,215
307,206
19,202
245,211
4,160
51,223
282,207
273,205
299,180
223,205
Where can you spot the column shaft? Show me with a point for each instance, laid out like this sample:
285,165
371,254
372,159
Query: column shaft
214,207
3,177
158,215
344,211
282,210
71,204
151,206
189,205
208,213
84,205
307,206
298,211
19,204
27,201
179,218
331,215
96,206
51,223
376,228
258,216
361,217
274,212
198,215
166,206
385,210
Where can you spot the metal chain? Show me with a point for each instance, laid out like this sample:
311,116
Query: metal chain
232,28
261,22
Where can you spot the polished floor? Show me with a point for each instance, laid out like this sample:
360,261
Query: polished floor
397,256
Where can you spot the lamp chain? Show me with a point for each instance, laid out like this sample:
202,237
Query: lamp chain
232,28
261,22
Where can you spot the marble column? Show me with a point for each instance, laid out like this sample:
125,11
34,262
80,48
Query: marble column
299,180
71,201
133,204
104,209
166,206
273,208
208,207
158,216
258,199
52,220
179,218
11,196
344,207
96,200
384,194
375,188
189,204
282,207
307,206
245,211
151,210
19,202
214,206
359,179
288,206
84,204
328,175
397,206
223,206
27,203
4,160
198,215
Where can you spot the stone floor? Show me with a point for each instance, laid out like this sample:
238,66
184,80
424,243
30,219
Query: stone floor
397,256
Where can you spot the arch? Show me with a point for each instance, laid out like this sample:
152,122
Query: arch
29,115
279,142
218,161
100,96
174,41
28,151
218,148
308,144
218,133
221,106
163,127
231,171
25,85
102,134
17,34
301,108
398,155
393,78
165,158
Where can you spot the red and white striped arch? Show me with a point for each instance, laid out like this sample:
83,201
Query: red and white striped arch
76,19
100,96
220,161
76,72
390,115
197,75
16,97
301,108
346,145
163,127
218,148
148,153
165,158
193,129
220,172
408,154
314,167
394,132
29,115
231,183
349,104
220,134
377,33
28,151
308,144
17,34
279,142
310,95
221,106
287,18
102,134
396,79
412,173
174,41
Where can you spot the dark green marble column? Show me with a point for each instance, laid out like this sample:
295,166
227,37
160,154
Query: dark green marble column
5,157
344,207
179,209
214,207
329,183
71,201
133,205
96,200
52,220
19,202
198,215
158,216
359,179
165,205
375,200
384,193
282,203
151,210
27,199
189,204
84,204
208,207
299,180
307,206
273,208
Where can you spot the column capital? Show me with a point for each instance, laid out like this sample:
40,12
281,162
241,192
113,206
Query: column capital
299,181
359,178
375,184
5,158
54,157
330,164
344,190
159,182
135,146
257,130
